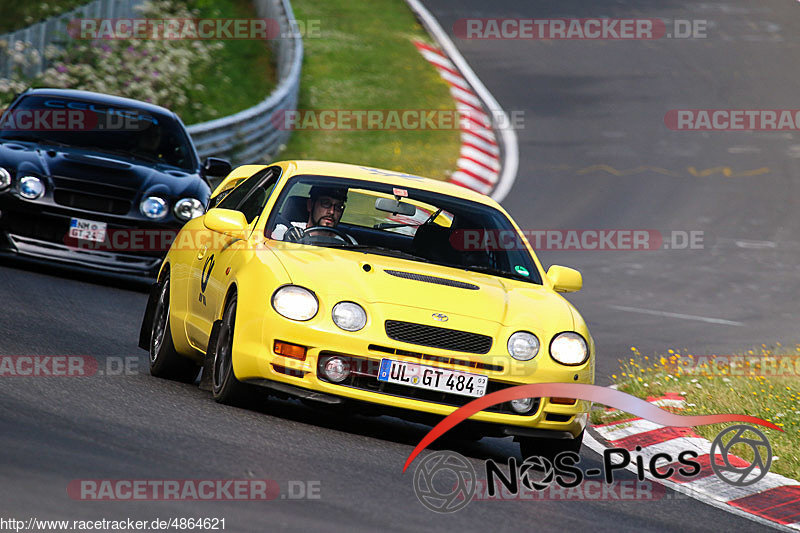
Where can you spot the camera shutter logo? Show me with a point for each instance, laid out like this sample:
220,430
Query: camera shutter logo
721,451
451,499
541,464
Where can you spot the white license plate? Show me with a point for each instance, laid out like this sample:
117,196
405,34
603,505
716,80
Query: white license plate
87,230
432,378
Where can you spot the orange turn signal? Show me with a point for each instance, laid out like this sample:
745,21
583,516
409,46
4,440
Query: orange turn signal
290,350
563,401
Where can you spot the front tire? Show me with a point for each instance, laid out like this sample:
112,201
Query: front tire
165,361
225,388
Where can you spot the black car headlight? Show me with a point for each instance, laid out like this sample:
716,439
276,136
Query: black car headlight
31,187
153,207
188,208
5,179
569,348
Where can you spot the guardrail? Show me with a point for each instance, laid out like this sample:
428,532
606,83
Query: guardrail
53,31
250,136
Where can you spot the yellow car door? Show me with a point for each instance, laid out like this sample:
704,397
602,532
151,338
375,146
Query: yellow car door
210,273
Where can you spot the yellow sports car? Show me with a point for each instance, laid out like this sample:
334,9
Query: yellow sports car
389,292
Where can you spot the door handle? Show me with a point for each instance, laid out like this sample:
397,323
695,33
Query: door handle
202,252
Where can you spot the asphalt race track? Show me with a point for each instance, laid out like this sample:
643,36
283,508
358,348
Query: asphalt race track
586,105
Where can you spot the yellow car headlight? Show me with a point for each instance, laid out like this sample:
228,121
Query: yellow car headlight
569,348
295,303
523,346
349,316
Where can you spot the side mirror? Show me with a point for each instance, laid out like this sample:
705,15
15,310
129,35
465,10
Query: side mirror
216,167
565,279
227,222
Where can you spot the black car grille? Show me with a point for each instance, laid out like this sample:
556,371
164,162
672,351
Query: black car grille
364,376
92,202
93,195
434,337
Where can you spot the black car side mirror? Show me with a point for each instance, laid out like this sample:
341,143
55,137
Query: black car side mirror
217,167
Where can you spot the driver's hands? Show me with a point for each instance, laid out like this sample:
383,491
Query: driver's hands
293,234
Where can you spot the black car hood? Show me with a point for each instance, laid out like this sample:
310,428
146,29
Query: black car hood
112,169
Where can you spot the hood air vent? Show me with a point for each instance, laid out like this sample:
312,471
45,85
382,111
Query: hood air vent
432,279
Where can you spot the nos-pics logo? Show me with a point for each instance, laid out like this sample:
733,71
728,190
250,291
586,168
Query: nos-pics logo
446,482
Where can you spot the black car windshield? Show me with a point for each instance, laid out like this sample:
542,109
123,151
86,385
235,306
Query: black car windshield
122,130
408,223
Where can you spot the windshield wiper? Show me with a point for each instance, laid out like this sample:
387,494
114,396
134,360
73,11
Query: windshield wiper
124,153
380,250
33,139
387,225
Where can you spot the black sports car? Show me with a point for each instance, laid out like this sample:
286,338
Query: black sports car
97,181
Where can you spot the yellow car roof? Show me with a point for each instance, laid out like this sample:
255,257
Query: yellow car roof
378,175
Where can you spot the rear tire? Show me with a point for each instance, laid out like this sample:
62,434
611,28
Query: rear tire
549,448
225,388
165,361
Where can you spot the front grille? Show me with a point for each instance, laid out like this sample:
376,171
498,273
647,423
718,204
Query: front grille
434,337
364,376
96,186
92,202
447,360
432,279
93,195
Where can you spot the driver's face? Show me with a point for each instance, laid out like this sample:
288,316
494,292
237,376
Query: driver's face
325,211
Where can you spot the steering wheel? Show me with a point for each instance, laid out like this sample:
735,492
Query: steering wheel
340,234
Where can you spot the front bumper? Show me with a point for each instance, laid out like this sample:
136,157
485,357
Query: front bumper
42,232
255,361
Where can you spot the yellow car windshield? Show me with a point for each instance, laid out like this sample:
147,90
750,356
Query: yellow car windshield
413,224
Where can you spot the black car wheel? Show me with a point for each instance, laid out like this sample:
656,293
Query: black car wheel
165,361
224,386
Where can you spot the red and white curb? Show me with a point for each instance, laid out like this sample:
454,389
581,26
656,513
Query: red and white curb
488,160
478,166
774,500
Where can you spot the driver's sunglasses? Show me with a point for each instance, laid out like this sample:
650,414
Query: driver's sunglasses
327,204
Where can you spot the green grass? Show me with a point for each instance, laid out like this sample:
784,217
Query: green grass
363,58
15,15
717,389
243,73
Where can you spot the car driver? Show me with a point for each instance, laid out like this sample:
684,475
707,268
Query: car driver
325,206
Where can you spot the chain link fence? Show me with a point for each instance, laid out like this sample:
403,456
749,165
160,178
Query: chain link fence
54,32
250,136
